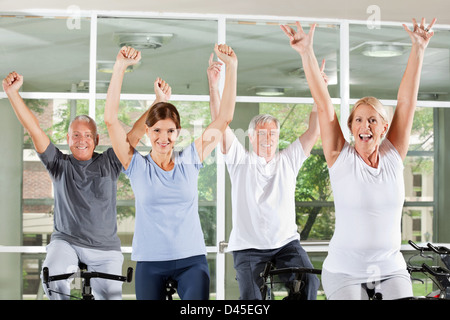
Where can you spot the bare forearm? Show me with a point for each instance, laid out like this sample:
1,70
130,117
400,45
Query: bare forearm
214,101
137,132
113,95
29,122
409,86
315,81
228,101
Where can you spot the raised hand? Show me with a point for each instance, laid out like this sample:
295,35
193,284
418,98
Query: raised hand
226,54
420,35
162,89
128,56
213,71
12,82
299,40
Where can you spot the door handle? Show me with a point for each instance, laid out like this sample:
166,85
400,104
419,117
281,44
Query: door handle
222,246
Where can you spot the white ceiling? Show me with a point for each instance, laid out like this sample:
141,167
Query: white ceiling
391,10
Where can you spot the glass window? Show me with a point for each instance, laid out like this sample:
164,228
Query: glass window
54,117
175,50
195,117
268,66
378,59
51,55
313,195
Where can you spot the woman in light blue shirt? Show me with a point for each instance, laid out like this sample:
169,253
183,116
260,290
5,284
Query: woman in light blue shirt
168,241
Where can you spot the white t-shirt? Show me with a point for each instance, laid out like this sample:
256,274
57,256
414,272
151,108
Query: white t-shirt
263,197
368,203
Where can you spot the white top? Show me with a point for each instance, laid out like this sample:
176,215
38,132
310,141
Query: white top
368,203
263,197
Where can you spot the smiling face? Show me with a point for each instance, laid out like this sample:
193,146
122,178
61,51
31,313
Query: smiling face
82,139
264,140
367,127
163,135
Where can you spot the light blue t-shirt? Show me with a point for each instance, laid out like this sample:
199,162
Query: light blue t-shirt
167,221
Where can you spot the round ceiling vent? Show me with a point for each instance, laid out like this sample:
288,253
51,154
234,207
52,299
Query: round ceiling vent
142,40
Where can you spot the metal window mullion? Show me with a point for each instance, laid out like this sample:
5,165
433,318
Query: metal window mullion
93,65
220,176
344,76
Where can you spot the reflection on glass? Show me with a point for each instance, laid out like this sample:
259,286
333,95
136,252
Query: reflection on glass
378,58
417,224
175,50
268,65
195,117
51,54
54,117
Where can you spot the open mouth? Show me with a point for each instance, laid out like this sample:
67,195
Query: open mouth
365,137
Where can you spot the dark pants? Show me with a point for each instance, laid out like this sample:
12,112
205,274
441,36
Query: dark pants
251,262
191,274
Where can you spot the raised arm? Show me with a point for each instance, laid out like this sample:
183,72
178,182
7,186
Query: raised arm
213,133
127,56
213,73
332,137
11,85
309,138
163,92
402,121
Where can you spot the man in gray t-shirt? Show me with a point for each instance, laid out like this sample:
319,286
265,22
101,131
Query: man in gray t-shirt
85,185
85,197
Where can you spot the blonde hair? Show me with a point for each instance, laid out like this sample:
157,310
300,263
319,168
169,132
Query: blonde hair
374,103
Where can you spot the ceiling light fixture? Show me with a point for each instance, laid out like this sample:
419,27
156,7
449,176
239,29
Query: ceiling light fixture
429,95
142,40
107,66
383,51
269,91
379,49
83,86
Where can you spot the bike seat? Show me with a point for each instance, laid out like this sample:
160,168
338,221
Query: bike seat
82,265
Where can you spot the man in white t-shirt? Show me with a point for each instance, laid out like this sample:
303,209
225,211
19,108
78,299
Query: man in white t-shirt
263,197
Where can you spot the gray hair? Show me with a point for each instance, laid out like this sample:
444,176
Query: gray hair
262,119
86,118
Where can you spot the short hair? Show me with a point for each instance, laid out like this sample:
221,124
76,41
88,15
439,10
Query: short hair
262,119
374,103
86,118
162,111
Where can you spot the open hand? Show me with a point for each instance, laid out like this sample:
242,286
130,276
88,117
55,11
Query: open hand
420,35
299,40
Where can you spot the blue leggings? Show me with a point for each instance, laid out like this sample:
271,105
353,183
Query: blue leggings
192,275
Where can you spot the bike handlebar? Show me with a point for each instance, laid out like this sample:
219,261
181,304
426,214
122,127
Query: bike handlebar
430,247
87,274
439,249
268,270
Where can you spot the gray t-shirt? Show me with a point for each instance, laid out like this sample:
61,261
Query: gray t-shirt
85,198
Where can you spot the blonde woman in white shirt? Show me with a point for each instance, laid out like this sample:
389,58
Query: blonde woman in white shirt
367,178
263,198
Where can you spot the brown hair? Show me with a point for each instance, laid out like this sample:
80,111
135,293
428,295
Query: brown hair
374,103
162,111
